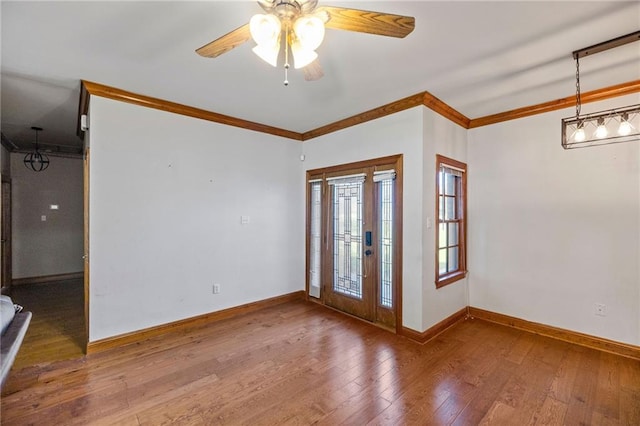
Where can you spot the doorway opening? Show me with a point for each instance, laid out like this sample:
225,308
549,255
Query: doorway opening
354,239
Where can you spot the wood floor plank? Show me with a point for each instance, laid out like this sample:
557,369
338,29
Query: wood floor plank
299,363
552,412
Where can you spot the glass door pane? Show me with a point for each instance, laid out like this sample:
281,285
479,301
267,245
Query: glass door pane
347,238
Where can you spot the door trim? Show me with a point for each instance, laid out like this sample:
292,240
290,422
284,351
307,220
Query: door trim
397,160
85,204
7,244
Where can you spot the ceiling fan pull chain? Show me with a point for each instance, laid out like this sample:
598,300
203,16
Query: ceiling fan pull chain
286,56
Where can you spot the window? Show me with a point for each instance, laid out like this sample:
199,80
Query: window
314,238
451,207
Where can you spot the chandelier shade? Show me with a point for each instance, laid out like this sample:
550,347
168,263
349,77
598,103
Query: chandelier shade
36,161
602,128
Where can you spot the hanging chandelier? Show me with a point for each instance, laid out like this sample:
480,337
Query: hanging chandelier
36,160
605,127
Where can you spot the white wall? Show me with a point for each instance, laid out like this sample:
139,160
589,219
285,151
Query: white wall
53,246
552,232
167,195
441,136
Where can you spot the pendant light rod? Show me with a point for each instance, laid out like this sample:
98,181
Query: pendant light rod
606,45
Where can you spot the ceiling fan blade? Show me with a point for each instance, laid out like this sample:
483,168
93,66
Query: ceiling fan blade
225,43
313,71
364,21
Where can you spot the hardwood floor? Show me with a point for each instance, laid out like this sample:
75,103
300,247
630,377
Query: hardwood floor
299,363
56,331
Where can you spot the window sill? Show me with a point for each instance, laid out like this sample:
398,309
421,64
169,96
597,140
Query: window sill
450,279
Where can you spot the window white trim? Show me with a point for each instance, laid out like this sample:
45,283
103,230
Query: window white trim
356,178
384,175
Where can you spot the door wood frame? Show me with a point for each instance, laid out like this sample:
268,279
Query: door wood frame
85,256
6,272
397,161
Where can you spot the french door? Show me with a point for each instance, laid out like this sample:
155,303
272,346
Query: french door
354,248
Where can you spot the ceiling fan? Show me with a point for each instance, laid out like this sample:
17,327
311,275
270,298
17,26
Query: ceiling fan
301,25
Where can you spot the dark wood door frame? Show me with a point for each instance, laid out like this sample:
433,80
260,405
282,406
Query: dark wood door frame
6,273
85,256
396,160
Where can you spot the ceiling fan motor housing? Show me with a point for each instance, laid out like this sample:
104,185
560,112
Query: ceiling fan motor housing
289,10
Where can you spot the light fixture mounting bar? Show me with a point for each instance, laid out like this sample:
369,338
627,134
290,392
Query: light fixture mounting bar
606,45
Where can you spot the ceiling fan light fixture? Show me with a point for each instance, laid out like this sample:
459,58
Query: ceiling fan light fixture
309,31
302,56
268,53
265,29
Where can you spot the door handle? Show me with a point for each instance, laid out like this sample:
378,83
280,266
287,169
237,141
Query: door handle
368,252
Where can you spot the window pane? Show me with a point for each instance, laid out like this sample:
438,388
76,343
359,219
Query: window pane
450,184
347,238
453,234
450,208
441,207
442,235
442,261
452,259
386,243
440,182
315,238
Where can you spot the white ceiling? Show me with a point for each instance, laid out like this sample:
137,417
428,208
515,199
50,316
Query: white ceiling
478,57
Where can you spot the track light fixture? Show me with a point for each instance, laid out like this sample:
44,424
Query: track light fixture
604,127
36,160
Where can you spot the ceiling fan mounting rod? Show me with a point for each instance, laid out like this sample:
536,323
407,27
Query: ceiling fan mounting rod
287,10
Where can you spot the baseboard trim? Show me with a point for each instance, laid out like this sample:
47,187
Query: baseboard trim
47,278
431,332
593,342
187,323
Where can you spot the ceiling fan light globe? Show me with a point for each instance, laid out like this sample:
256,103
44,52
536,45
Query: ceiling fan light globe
268,53
302,56
309,31
265,29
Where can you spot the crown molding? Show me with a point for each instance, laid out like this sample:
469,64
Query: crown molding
423,98
96,89
445,110
570,101
372,114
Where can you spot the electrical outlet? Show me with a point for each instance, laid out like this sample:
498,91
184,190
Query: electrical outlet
216,288
601,309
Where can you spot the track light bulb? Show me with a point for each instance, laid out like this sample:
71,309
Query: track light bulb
579,135
625,127
601,130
